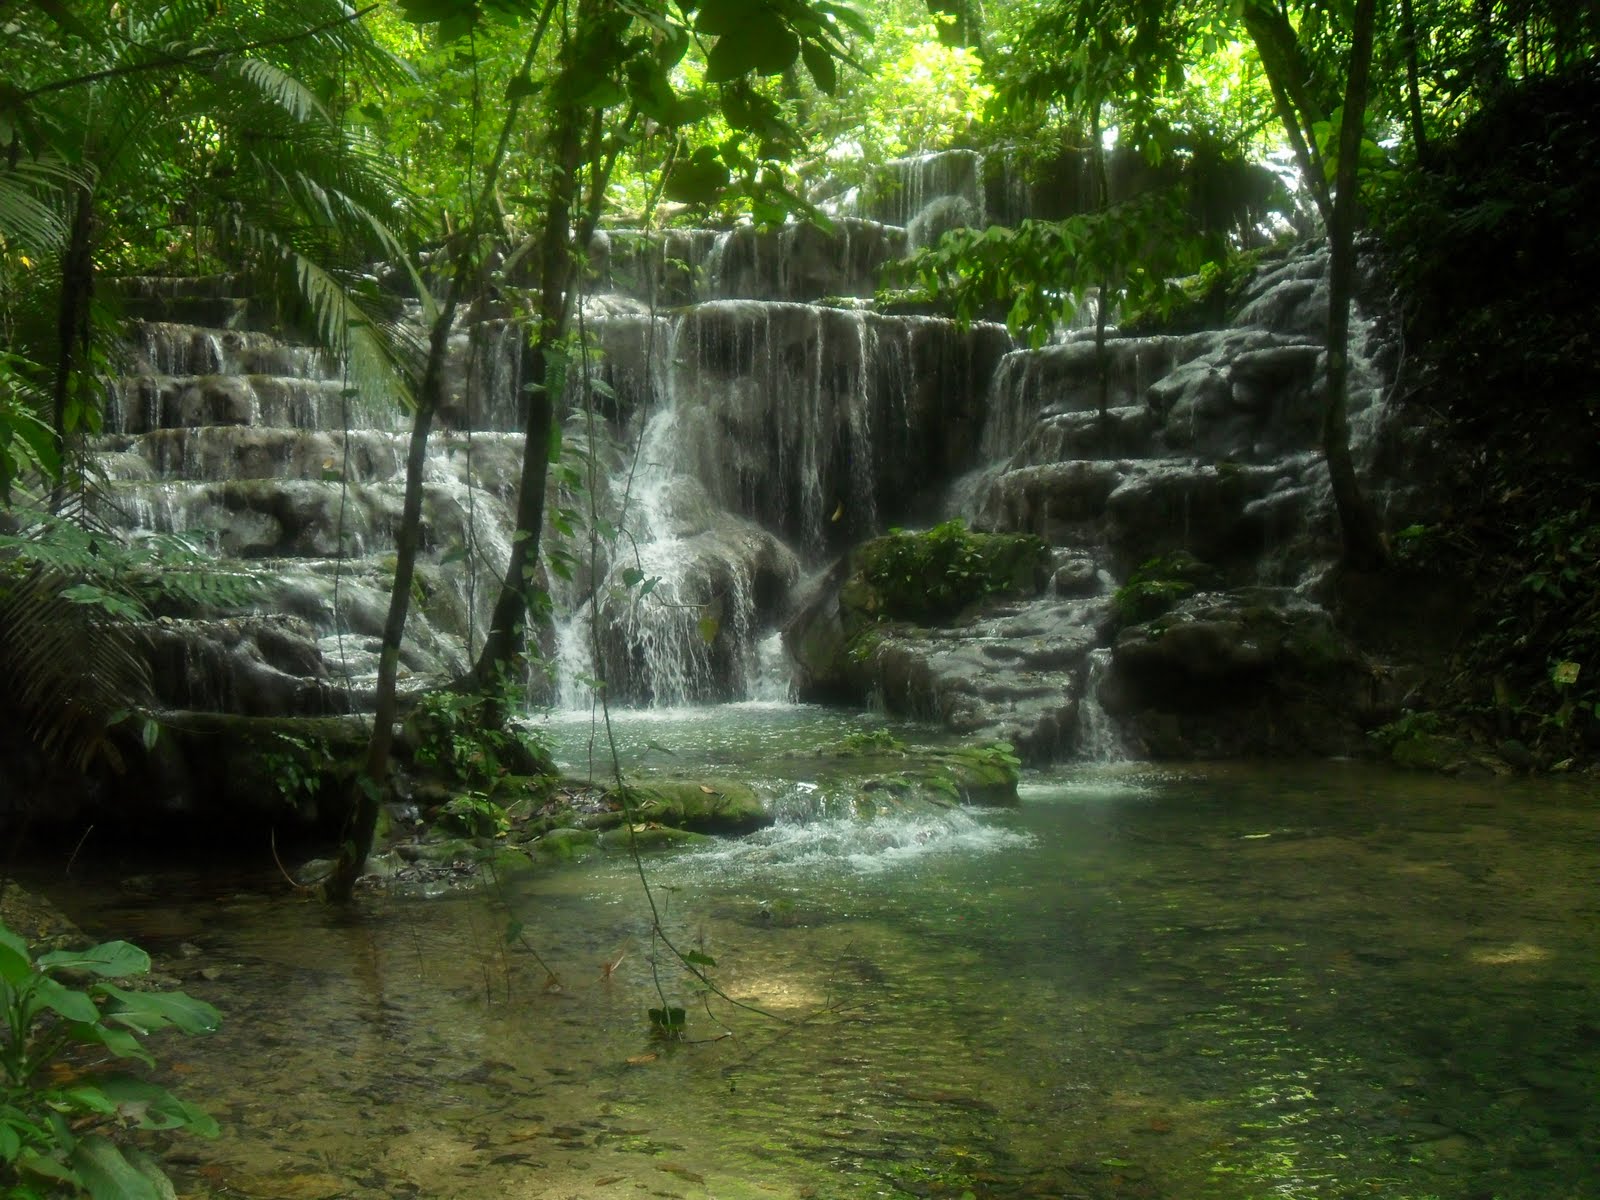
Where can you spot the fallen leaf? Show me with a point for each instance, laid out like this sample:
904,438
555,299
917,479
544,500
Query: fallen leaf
638,1060
681,1172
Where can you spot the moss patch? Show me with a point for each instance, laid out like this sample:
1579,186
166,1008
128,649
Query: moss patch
698,805
931,577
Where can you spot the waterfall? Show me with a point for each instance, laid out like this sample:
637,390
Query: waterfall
1098,737
753,418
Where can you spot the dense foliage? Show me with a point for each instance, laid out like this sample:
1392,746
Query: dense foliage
1497,246
471,145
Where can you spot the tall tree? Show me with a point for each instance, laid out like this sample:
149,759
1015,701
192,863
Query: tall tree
613,67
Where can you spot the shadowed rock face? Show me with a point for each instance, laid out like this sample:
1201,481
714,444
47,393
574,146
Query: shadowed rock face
748,436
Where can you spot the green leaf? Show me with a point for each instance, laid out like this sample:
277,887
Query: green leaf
119,1041
631,576
114,959
668,1020
107,1175
73,1005
697,179
153,1107
144,1012
709,627
15,962
34,1163
821,65
761,43
89,1099
699,960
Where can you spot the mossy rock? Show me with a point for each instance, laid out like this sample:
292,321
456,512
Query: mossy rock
651,837
879,776
982,774
698,805
932,576
566,845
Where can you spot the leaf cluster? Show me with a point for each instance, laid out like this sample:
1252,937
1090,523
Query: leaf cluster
1496,246
61,1121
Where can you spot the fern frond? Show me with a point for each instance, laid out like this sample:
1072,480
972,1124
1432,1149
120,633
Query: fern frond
32,205
71,671
278,86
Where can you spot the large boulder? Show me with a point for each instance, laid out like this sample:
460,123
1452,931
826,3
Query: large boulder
1258,671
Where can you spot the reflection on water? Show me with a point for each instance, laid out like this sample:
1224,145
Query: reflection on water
1237,983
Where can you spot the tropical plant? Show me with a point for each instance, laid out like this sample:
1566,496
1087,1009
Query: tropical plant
71,598
60,1117
181,132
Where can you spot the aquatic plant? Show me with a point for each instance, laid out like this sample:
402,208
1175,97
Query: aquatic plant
60,1118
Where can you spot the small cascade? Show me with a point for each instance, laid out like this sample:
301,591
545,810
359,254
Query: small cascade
1099,739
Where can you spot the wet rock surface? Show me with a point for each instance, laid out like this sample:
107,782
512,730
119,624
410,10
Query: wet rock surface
753,435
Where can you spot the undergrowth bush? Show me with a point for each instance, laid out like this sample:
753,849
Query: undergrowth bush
62,1114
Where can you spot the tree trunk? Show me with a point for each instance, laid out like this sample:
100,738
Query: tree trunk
371,786
1419,132
504,641
1291,78
72,326
1364,547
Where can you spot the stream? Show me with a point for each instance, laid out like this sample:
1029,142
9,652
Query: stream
1238,982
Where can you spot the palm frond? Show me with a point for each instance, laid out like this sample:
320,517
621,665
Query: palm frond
71,669
32,203
378,367
285,90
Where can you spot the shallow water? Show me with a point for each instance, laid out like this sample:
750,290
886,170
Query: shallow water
1321,981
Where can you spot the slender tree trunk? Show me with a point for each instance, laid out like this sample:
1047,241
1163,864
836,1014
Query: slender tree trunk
373,784
72,325
1419,132
505,638
1364,547
1291,78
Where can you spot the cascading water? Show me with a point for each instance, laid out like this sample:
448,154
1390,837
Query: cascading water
769,433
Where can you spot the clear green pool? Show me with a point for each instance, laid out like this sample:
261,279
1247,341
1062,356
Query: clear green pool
1303,982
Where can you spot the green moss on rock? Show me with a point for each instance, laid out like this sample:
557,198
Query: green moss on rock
932,576
652,837
698,805
566,845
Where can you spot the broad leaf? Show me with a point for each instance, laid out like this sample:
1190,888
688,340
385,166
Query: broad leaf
15,962
107,1175
119,1041
153,1107
147,1011
73,1005
115,959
